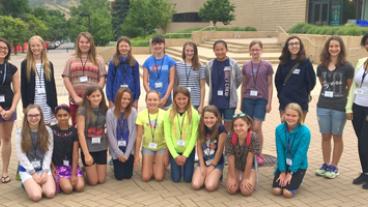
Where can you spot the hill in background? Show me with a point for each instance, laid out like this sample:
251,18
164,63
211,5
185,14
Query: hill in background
61,5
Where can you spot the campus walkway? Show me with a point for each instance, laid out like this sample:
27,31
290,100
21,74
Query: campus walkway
315,191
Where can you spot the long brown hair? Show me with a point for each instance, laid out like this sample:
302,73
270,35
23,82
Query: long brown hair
118,97
325,55
92,54
286,55
31,62
42,133
116,57
202,127
90,117
174,108
195,60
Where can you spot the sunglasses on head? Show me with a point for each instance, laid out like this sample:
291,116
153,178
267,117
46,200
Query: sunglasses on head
241,115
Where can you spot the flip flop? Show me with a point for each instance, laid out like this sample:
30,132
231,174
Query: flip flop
5,179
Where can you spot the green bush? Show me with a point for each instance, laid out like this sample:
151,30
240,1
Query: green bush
178,35
141,41
349,29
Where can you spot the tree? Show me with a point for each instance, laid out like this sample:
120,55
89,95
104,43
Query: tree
217,11
13,29
14,8
55,22
93,16
35,25
120,9
147,15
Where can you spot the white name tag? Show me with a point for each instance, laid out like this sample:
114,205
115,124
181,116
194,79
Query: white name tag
296,71
289,161
329,94
227,68
36,164
66,162
41,90
96,140
124,86
83,79
2,98
253,93
220,93
208,162
122,143
180,143
361,91
158,85
152,145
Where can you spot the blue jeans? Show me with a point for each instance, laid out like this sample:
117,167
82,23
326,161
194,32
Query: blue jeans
186,170
255,108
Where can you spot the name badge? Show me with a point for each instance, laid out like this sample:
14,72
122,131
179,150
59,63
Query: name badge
96,140
289,161
2,98
152,145
158,85
36,164
220,92
122,143
361,91
83,79
180,143
208,162
296,71
253,93
189,89
124,86
227,68
329,94
41,90
66,162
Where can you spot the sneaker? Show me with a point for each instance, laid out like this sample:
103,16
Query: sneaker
332,172
260,159
363,178
322,170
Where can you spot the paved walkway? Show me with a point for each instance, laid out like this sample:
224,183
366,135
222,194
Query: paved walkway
315,191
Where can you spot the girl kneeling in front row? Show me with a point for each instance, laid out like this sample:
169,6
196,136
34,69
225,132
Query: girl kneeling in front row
65,156
241,147
210,148
292,143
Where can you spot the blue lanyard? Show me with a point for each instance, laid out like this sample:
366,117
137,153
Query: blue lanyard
156,65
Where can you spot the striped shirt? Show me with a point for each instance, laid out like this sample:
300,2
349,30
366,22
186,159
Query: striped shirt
41,97
187,77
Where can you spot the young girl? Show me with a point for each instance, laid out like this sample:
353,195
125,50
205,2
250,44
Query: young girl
295,77
335,75
191,75
123,72
181,125
121,132
65,156
37,80
241,147
223,77
292,143
85,68
9,97
210,147
34,145
91,122
357,110
257,90
150,134
159,72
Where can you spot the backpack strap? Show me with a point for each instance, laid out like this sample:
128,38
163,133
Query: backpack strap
234,138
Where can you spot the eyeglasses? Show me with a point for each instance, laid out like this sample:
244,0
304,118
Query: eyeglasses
4,48
33,115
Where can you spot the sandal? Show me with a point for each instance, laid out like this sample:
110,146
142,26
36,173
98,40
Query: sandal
5,179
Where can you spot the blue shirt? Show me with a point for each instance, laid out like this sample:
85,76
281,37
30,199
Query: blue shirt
293,146
222,80
159,73
123,75
209,147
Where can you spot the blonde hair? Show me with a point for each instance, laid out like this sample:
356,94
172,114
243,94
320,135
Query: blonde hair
31,62
92,55
296,107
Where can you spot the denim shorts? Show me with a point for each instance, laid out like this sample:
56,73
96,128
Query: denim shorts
331,121
227,114
255,108
146,151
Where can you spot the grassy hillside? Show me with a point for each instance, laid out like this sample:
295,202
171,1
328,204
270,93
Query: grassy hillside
62,5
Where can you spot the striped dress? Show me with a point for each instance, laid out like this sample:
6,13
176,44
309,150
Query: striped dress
40,95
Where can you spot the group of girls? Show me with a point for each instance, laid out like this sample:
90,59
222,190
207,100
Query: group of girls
168,130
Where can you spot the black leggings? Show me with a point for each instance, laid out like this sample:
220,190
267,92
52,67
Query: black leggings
360,124
123,170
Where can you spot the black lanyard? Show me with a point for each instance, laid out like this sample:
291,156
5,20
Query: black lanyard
187,75
180,125
84,64
153,128
363,77
159,70
254,77
288,141
4,77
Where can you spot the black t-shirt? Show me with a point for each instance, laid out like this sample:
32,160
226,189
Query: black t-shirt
334,86
7,70
63,145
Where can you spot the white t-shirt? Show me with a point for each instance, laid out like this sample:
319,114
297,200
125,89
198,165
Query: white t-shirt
361,91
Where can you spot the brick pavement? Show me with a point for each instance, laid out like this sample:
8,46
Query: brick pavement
315,191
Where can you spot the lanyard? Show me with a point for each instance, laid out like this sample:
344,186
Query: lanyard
38,73
363,77
153,126
288,141
4,77
254,77
180,125
83,64
160,68
187,75
330,78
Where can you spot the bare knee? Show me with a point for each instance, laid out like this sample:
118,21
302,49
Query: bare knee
287,194
232,190
146,177
246,192
211,186
35,196
276,191
50,193
159,177
66,188
101,180
92,182
196,185
79,187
